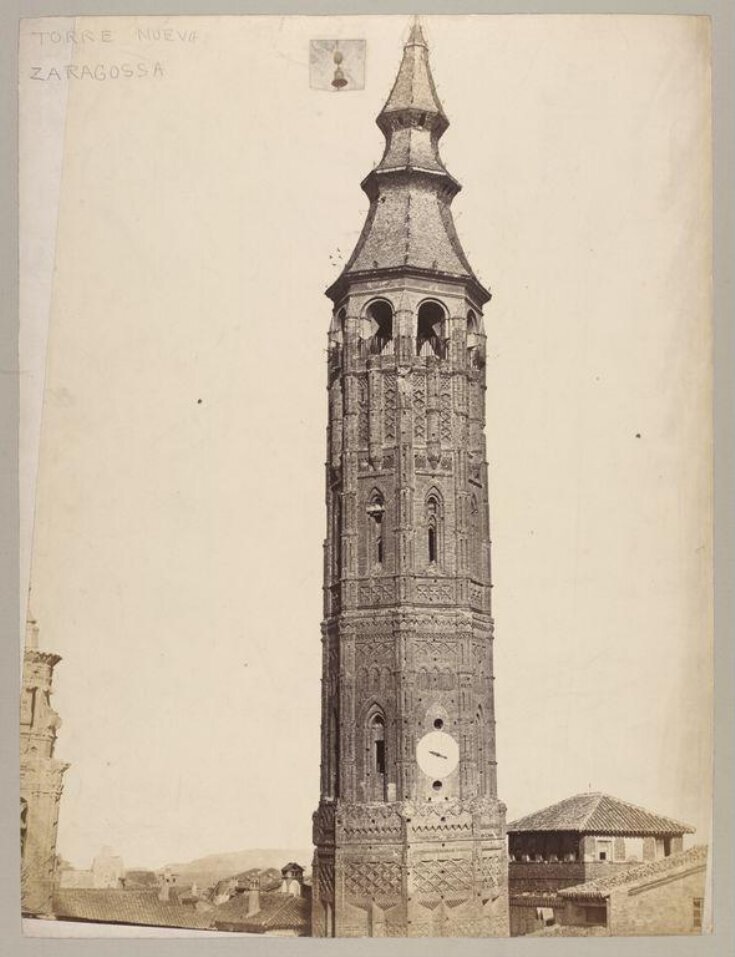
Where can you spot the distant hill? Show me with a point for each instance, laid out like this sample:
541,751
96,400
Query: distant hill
215,867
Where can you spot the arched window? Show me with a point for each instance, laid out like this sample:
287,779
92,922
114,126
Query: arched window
480,746
334,753
475,539
379,327
337,536
337,329
23,826
376,511
433,521
377,758
430,338
475,348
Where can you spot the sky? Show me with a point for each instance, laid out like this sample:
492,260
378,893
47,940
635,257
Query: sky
180,230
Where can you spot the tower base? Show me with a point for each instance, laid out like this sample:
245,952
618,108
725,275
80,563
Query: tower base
408,870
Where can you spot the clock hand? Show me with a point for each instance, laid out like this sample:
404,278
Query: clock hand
438,755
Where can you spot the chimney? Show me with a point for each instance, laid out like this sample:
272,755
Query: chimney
254,896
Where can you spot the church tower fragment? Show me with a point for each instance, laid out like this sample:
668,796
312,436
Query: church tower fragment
409,832
41,776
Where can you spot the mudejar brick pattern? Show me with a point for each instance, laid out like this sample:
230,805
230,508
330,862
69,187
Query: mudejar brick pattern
409,832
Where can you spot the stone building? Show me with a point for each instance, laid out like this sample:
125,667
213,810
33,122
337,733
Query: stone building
587,837
282,913
108,869
662,896
41,777
409,833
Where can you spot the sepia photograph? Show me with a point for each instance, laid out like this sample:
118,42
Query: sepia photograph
366,476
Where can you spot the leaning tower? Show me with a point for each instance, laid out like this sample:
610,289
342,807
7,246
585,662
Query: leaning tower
409,832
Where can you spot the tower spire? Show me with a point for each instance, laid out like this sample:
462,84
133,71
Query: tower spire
416,36
414,90
410,189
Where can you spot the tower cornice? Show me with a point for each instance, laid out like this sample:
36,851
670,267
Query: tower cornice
341,287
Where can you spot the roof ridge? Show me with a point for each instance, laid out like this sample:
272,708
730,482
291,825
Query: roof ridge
630,875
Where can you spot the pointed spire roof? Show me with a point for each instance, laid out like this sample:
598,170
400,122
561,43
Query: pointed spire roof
409,228
414,88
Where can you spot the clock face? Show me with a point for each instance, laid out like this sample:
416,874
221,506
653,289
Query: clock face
437,754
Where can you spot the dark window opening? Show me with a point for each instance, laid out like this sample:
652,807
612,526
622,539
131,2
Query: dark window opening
432,530
438,724
697,907
430,330
337,538
595,915
376,510
437,785
380,757
23,826
380,317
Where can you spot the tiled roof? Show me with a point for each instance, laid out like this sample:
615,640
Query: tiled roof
113,906
414,86
409,227
278,911
641,874
597,813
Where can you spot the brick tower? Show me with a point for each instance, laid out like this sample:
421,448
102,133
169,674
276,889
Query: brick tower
40,777
409,833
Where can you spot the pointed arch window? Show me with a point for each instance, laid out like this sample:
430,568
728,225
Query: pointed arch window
337,537
433,529
376,545
475,539
23,826
480,745
377,756
334,753
430,334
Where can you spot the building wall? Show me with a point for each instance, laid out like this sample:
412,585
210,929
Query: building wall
666,907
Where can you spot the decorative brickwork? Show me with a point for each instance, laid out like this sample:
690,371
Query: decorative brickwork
408,637
41,776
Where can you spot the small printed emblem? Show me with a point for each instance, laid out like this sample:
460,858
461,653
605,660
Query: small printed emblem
337,65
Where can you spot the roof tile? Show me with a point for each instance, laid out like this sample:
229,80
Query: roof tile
601,886
597,813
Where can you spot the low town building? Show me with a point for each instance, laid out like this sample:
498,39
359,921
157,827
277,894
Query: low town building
584,838
279,911
282,913
108,869
664,896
